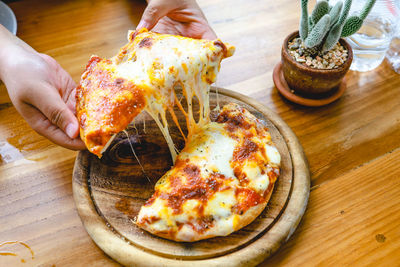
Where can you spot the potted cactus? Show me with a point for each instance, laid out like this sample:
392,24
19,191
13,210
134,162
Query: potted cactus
316,58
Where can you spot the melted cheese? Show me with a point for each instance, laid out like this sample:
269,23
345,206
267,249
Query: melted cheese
220,204
221,176
224,173
211,149
143,76
273,154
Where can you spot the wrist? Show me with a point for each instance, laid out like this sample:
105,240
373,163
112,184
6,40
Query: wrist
10,49
6,42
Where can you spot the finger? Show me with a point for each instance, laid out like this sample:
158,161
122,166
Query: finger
64,83
48,100
44,127
167,25
154,11
209,34
71,101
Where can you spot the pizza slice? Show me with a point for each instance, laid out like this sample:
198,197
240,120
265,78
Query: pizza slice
142,76
221,181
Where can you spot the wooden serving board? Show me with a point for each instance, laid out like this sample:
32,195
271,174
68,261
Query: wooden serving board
110,191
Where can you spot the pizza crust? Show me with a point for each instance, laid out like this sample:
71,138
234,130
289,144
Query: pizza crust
187,234
253,213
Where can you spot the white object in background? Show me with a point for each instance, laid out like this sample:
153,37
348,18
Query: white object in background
372,41
393,54
7,18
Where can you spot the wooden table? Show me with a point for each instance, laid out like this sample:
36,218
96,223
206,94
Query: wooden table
353,145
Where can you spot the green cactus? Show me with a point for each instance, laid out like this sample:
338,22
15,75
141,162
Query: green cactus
367,8
317,34
304,20
351,26
354,23
336,30
310,24
321,8
335,12
323,29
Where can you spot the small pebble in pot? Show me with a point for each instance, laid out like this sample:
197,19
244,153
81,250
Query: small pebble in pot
332,59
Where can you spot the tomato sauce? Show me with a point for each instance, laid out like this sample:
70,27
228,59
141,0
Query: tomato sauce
233,122
273,175
222,45
245,151
240,175
194,188
145,42
202,224
112,103
247,198
92,63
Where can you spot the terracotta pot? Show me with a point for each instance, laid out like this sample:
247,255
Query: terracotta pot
310,82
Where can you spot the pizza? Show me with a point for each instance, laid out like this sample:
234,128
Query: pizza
142,76
224,176
221,181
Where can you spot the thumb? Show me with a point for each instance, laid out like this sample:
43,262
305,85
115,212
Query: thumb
59,114
154,11
50,103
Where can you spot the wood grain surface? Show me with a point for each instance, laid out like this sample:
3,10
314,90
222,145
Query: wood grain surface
110,191
352,145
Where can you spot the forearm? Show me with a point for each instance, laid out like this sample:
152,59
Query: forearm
10,47
5,36
6,40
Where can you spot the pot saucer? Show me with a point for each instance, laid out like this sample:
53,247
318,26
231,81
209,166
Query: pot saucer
283,88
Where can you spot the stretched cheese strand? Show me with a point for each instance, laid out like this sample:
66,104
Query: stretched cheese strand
137,159
162,124
217,108
199,90
194,73
134,126
175,119
108,143
143,76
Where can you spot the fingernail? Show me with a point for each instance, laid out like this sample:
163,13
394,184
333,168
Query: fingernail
71,130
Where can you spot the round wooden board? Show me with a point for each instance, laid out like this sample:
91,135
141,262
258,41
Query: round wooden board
110,191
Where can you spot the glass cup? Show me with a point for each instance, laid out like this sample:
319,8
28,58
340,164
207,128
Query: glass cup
372,41
393,53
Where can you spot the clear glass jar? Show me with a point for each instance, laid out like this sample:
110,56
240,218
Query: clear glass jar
372,41
393,53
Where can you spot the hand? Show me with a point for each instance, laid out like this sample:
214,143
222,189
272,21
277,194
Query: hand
41,90
178,17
